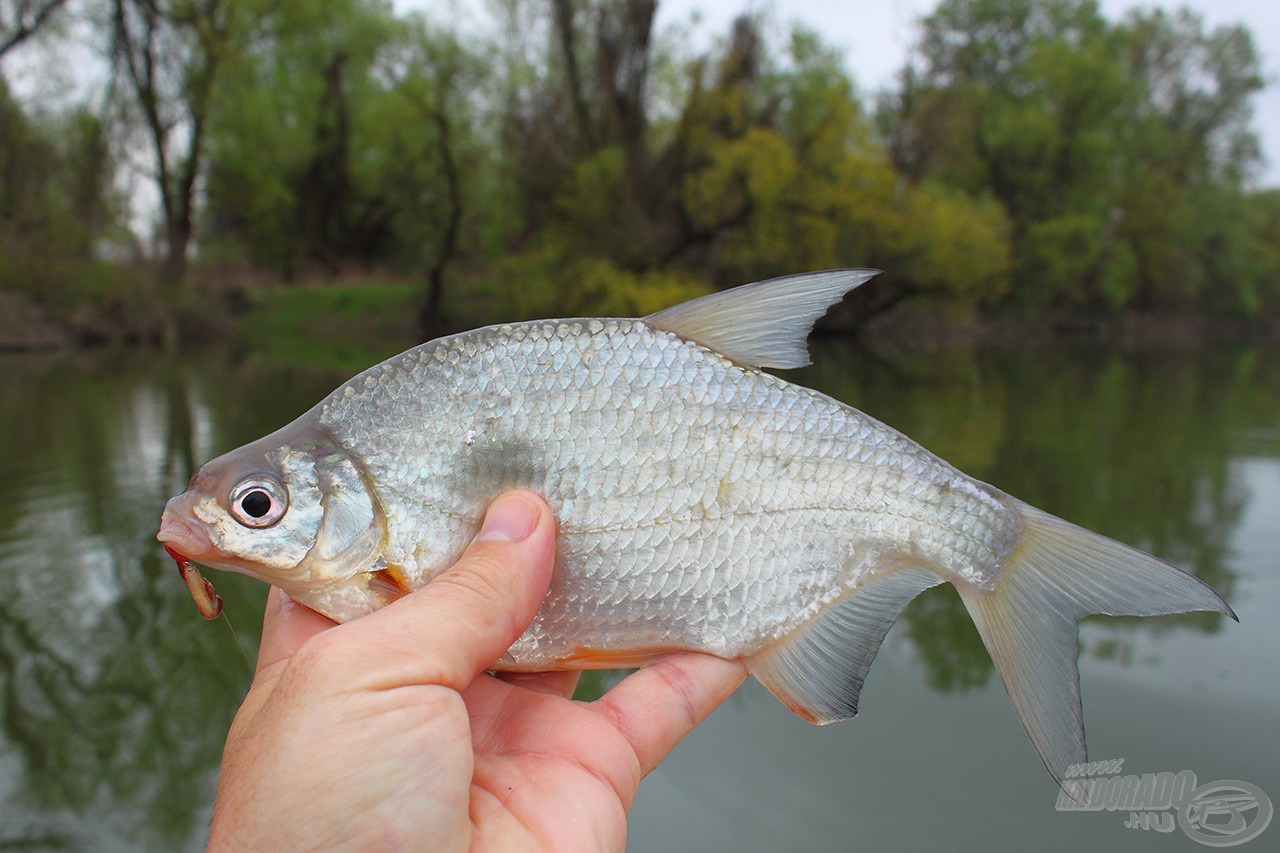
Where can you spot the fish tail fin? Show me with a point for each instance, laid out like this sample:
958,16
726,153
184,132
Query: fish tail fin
1058,574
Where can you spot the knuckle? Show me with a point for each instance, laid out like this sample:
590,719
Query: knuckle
477,578
682,689
482,591
318,655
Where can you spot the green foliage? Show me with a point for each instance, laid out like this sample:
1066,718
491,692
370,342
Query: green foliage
957,246
292,114
346,326
1061,253
1035,157
1106,143
550,281
1261,253
764,164
57,204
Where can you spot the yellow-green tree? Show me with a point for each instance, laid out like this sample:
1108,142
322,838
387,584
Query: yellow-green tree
741,163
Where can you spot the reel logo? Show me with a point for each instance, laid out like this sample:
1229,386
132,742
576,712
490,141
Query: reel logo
1217,814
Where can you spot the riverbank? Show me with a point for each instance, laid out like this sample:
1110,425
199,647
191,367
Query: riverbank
1130,329
361,322
26,326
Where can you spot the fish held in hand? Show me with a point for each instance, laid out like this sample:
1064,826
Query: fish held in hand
703,505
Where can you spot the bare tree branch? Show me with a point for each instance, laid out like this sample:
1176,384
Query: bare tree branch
21,20
566,30
170,59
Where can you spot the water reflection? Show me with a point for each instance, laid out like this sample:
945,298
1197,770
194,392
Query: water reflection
115,700
115,697
1138,446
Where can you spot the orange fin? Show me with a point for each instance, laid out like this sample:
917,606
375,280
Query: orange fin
585,657
390,583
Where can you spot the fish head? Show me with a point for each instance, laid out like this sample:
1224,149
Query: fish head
291,509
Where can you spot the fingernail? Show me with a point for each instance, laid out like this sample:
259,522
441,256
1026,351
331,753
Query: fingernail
510,519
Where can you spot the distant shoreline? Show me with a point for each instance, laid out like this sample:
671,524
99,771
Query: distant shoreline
1140,329
26,326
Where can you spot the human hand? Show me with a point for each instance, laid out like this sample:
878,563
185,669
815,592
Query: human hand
386,732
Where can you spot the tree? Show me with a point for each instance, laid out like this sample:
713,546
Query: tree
21,19
57,202
430,124
1191,150
166,56
294,154
759,162
349,139
1104,143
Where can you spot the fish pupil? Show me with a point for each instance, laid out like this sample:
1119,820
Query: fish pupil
256,504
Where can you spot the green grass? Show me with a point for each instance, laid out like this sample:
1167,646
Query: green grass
332,325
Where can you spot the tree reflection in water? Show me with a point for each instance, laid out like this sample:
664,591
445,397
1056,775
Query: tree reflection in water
116,697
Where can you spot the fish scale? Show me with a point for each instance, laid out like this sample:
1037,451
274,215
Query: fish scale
633,491
703,505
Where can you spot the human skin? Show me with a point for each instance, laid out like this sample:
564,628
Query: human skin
387,733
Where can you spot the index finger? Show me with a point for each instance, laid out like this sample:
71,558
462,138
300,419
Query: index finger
286,625
657,706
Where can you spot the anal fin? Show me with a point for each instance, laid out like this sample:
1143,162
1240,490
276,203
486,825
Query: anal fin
818,671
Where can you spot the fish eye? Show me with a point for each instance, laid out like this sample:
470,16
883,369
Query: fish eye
258,502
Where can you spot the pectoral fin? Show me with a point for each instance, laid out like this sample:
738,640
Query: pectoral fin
389,583
818,671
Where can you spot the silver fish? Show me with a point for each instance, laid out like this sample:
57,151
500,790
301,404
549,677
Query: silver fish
703,505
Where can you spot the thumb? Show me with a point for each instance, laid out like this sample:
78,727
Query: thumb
462,621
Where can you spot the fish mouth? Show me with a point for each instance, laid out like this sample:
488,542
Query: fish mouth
179,535
184,542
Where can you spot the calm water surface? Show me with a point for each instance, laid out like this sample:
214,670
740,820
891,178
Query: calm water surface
115,696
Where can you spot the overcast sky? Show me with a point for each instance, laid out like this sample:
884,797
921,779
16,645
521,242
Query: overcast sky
875,35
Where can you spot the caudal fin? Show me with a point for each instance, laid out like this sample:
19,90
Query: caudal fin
1029,622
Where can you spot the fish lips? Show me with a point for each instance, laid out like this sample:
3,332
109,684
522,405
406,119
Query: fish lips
180,533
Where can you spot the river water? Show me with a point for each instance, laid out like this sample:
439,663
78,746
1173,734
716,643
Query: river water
115,696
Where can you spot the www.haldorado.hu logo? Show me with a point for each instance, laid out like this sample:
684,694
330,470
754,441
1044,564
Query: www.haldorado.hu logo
1219,814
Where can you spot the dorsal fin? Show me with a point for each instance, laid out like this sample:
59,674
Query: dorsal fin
763,324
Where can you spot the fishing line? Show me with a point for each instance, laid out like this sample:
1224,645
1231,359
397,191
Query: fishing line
236,639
